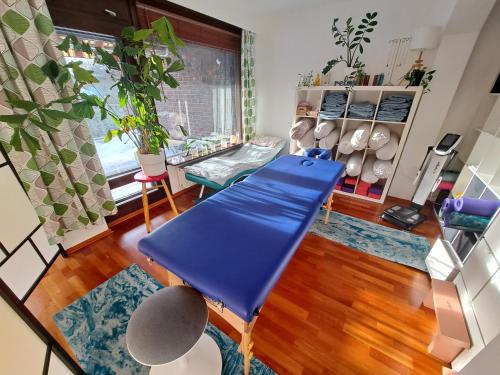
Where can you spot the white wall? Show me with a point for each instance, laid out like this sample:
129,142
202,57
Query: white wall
300,41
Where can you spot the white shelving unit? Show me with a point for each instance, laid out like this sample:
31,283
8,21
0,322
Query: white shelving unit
373,94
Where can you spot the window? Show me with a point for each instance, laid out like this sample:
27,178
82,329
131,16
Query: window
116,157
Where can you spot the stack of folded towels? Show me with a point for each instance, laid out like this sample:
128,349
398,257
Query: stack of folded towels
362,110
333,105
469,214
394,108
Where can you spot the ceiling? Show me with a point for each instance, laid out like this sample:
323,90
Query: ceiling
263,7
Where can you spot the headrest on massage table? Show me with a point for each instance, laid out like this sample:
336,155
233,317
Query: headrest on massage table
234,246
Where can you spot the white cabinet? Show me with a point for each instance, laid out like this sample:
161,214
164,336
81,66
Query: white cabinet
479,268
492,237
487,308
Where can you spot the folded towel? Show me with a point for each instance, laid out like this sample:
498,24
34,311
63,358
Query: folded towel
324,128
466,222
364,110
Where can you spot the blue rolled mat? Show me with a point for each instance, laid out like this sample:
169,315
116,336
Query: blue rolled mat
473,206
448,205
472,223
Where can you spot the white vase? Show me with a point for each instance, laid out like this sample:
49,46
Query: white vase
151,164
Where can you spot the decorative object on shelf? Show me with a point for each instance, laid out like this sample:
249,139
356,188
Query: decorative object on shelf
420,77
424,38
354,47
303,107
306,80
397,59
317,80
312,113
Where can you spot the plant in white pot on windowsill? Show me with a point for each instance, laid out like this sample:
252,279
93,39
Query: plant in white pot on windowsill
352,39
142,71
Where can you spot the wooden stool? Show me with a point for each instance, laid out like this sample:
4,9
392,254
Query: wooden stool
143,179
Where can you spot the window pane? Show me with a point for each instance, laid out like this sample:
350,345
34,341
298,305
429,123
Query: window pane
207,101
116,157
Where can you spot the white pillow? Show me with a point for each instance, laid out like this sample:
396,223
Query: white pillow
300,128
307,140
379,137
367,174
354,164
324,128
345,146
343,159
330,140
382,168
388,151
359,139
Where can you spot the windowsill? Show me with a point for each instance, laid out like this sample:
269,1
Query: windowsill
188,160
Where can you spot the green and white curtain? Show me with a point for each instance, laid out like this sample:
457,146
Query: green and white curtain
248,101
65,180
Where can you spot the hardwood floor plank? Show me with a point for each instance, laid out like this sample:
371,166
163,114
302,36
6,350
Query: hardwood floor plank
335,310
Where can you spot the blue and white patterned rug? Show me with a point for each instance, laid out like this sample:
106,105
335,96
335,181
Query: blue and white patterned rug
95,327
384,242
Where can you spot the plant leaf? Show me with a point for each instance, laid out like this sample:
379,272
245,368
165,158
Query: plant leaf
83,75
107,58
51,70
373,23
366,40
15,141
64,46
108,137
142,34
83,109
23,104
128,32
59,115
153,91
14,119
67,99
31,142
176,66
360,48
129,69
44,126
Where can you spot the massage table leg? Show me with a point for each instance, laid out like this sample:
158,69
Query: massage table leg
201,192
169,197
328,208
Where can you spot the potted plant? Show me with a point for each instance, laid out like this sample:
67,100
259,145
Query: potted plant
142,69
352,39
420,77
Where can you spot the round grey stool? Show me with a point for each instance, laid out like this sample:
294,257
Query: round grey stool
166,332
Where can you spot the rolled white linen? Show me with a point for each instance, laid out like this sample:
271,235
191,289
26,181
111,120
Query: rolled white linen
345,146
382,168
343,159
300,128
359,139
324,128
354,164
367,174
379,137
307,140
388,151
330,140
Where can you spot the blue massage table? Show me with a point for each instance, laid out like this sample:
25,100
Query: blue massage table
234,246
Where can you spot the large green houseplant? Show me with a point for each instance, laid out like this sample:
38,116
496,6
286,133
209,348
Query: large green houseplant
142,71
352,39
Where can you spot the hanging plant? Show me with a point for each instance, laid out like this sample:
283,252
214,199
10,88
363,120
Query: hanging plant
420,77
353,40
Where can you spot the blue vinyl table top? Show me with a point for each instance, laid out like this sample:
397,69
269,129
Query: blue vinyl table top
234,246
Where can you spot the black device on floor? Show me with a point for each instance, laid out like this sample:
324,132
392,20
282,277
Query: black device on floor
405,217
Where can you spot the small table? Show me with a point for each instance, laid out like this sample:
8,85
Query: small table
143,179
166,332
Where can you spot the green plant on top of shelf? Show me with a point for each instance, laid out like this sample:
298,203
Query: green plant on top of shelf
420,77
352,38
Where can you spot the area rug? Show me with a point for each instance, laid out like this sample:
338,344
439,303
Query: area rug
384,242
95,327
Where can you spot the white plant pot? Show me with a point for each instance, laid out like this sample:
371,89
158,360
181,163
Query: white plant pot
348,71
151,164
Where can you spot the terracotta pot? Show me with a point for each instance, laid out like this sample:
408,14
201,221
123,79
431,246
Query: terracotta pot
151,164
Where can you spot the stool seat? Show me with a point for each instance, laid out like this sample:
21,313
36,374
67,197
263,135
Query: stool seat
142,177
166,325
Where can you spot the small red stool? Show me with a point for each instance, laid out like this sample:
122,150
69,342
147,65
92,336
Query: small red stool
143,179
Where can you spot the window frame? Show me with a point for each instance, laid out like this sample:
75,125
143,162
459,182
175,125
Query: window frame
93,17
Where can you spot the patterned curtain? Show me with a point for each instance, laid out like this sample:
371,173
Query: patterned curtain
248,102
65,180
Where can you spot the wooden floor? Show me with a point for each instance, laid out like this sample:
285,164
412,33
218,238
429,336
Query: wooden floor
334,311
